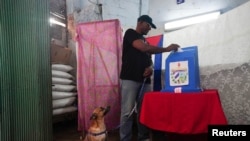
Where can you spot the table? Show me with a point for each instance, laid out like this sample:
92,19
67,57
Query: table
183,113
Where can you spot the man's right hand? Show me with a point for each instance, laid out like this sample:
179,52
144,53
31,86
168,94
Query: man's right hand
172,47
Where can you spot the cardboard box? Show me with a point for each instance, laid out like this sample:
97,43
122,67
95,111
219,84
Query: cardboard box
182,71
60,54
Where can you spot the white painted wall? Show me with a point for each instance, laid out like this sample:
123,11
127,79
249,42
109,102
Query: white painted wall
222,41
168,10
127,11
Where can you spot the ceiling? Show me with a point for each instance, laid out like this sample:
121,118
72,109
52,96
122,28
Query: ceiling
161,10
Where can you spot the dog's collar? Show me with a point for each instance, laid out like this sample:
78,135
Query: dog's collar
97,134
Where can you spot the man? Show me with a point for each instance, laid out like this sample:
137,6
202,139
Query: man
135,73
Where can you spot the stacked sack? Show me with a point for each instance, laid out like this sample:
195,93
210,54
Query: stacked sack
64,93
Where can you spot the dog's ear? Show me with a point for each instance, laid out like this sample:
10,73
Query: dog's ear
93,116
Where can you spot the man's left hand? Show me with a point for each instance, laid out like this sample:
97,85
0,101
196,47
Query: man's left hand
148,72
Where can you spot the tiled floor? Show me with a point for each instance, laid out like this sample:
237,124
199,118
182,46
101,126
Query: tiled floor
67,131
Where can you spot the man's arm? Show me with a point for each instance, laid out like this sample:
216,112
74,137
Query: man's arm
144,47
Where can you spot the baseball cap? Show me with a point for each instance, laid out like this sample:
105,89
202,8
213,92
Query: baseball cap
147,19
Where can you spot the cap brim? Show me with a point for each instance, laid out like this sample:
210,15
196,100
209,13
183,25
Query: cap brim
152,25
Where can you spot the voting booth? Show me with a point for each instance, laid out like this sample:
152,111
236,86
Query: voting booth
182,71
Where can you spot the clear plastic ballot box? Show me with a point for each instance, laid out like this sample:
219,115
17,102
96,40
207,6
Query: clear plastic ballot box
182,71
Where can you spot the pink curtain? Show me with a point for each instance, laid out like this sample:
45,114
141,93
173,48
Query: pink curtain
98,67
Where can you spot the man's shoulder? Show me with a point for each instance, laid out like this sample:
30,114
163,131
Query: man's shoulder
130,30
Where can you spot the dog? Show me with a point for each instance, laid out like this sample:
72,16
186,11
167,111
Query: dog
97,130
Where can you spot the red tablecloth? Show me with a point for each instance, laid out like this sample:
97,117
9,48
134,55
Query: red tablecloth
188,113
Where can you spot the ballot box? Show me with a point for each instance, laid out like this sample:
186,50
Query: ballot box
182,71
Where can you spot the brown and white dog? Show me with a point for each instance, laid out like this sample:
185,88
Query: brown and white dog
97,130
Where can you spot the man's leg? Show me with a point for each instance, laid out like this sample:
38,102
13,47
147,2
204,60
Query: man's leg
143,131
129,90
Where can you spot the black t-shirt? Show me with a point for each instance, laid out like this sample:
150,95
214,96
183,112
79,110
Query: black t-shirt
134,61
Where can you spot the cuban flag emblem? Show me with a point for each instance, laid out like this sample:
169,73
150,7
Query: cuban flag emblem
179,73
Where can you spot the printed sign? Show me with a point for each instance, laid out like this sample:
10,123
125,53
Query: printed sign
180,1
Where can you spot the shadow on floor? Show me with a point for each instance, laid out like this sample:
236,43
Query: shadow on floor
67,131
